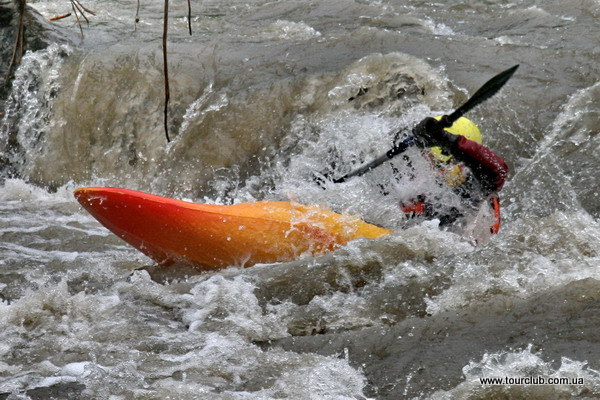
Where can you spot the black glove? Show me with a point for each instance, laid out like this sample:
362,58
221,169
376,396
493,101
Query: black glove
430,133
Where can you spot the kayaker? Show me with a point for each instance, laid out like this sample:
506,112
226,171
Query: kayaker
464,167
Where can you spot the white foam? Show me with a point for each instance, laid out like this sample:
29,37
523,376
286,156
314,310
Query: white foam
289,30
76,369
331,379
438,28
42,306
53,380
563,253
34,87
208,102
18,190
223,304
217,353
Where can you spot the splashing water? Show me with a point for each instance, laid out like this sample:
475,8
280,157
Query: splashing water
266,96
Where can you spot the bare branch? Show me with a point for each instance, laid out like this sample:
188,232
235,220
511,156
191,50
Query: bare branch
87,10
60,17
137,16
189,16
81,11
166,69
19,45
77,17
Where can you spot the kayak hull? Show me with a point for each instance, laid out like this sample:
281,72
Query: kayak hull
210,236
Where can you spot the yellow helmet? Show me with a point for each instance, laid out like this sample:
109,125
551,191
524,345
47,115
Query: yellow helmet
463,127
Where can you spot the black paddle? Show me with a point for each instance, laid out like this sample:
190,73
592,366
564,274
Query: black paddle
489,89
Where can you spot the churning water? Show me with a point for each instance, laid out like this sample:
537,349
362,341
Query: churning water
265,94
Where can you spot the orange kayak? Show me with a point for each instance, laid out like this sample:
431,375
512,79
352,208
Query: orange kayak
211,236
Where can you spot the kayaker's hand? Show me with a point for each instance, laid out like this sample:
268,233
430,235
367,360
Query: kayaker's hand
431,133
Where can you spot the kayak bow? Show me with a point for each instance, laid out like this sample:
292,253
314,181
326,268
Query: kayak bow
211,236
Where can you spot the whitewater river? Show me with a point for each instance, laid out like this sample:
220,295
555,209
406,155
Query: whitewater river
264,94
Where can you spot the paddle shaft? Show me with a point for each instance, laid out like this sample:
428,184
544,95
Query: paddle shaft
401,148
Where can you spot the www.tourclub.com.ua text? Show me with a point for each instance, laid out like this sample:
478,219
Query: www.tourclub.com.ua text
531,380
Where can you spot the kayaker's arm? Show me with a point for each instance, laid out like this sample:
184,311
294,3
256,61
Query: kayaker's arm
487,167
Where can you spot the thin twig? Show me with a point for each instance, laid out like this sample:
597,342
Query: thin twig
81,12
21,40
19,45
87,10
190,17
60,17
77,17
78,10
137,16
166,69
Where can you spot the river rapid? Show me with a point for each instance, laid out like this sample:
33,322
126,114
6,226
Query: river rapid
263,95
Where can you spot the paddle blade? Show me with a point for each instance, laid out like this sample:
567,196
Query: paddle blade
489,89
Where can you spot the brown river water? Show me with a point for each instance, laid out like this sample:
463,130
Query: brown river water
259,102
